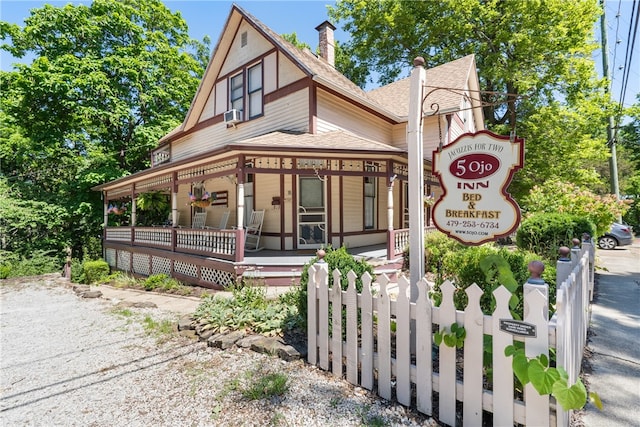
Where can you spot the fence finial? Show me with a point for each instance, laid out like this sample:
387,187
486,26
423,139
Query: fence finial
320,253
576,243
535,270
564,253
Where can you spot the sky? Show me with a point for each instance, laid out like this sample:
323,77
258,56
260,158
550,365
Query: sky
207,17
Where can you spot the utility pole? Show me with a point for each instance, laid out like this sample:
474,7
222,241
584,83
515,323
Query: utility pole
612,132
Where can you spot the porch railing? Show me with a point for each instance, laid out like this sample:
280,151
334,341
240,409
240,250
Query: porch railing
209,242
398,241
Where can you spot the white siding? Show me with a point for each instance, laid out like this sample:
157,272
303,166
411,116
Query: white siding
222,99
335,114
210,107
270,71
288,72
431,135
256,46
399,136
352,204
288,113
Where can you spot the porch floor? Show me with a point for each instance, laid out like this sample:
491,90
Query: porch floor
287,265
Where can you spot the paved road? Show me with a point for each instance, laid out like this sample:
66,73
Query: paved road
615,339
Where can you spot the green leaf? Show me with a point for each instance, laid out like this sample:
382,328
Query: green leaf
450,340
437,338
574,397
595,399
520,366
541,377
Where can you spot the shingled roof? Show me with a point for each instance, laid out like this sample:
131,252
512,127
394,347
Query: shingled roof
392,98
452,75
334,141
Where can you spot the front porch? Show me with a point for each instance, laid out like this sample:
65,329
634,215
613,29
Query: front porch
217,259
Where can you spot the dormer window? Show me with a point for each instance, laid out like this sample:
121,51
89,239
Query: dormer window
251,91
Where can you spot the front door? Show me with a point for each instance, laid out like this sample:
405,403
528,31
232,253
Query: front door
312,214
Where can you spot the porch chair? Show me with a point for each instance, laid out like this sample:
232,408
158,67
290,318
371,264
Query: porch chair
169,221
252,232
199,219
224,220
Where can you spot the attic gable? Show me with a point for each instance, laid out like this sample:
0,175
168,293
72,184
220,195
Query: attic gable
457,75
242,39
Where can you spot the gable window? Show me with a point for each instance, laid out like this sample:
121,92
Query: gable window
247,92
237,93
254,91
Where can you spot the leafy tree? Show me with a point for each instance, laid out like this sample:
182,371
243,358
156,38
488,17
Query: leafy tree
106,82
28,226
562,197
532,48
534,65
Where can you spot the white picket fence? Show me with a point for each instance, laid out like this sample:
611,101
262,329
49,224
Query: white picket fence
363,349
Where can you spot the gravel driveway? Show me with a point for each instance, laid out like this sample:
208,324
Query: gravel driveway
67,361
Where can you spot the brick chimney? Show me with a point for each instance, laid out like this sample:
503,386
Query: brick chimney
327,47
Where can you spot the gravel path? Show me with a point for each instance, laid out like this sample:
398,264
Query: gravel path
66,361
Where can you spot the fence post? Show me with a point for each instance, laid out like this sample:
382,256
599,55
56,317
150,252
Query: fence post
536,312
587,246
563,265
575,252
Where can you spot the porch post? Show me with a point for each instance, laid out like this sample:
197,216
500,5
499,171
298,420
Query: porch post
105,208
240,219
174,200
133,212
390,204
390,237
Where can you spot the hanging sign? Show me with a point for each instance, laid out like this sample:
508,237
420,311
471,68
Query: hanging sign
474,172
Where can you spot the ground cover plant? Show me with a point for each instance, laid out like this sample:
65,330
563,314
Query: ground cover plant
249,309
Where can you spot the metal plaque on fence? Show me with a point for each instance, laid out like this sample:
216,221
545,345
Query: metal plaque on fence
516,327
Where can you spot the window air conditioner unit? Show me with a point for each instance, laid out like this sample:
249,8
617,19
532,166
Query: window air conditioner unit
232,117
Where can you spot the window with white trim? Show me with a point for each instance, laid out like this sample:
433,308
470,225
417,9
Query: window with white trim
254,90
250,94
237,93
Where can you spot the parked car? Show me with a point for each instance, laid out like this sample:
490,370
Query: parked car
618,235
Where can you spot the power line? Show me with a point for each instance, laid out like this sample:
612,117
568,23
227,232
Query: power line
629,52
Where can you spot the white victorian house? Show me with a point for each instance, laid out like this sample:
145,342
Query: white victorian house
292,155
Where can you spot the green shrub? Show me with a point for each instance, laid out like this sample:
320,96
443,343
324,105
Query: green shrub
567,198
544,233
40,262
463,267
163,282
336,259
120,279
5,270
94,271
437,246
76,271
